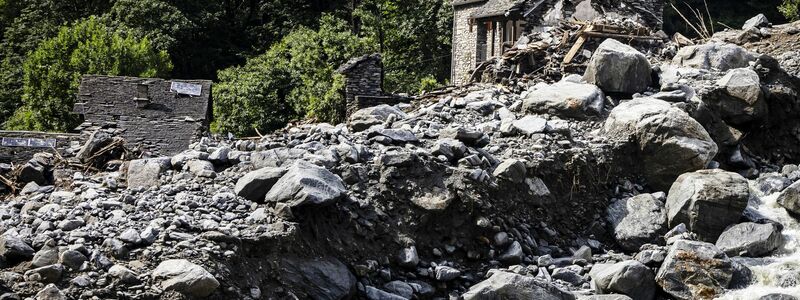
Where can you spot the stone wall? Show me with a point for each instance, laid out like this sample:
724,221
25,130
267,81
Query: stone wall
363,78
465,39
18,147
149,116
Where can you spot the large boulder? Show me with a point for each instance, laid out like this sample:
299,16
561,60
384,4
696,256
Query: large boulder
365,118
638,220
714,55
14,249
630,278
254,185
750,239
695,270
182,276
759,21
323,278
505,285
668,140
306,184
565,99
789,198
618,68
276,157
738,98
707,201
145,172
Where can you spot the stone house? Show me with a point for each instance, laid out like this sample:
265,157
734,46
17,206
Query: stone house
156,116
363,78
487,28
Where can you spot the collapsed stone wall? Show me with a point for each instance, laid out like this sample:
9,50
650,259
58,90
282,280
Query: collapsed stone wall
13,151
363,78
163,123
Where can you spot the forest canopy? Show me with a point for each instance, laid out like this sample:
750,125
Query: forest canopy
272,60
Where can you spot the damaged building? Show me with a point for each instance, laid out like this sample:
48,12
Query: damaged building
488,28
154,116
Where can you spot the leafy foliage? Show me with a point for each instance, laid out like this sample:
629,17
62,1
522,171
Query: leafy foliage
790,9
25,24
53,71
414,38
294,79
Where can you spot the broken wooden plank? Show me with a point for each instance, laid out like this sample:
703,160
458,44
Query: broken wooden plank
575,48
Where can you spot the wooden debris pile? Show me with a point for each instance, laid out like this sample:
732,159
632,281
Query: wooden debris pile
562,50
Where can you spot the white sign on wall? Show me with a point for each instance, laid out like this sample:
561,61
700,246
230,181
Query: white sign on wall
28,142
186,88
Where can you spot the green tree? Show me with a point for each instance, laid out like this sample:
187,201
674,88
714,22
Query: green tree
293,79
790,9
158,21
53,71
25,24
414,37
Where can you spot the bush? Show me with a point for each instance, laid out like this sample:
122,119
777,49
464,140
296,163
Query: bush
293,79
52,73
789,8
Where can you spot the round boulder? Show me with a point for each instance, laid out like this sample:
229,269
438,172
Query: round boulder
707,201
695,270
669,142
565,99
618,68
750,239
630,278
638,220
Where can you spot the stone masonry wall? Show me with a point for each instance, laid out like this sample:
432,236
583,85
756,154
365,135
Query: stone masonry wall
165,126
363,78
464,42
18,147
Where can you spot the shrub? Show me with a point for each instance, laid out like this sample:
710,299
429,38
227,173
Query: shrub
789,8
293,79
52,72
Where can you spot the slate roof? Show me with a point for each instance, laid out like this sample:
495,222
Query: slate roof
494,8
354,62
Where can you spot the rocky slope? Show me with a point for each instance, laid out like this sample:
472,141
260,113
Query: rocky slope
635,181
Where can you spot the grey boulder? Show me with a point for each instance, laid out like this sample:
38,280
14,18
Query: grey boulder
365,118
618,68
505,285
630,278
738,97
145,172
707,201
750,239
254,185
529,125
322,278
186,278
513,170
668,141
306,184
759,21
565,99
638,220
714,55
789,198
14,249
694,270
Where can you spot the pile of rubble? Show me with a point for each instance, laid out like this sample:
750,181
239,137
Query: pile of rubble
564,49
642,178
